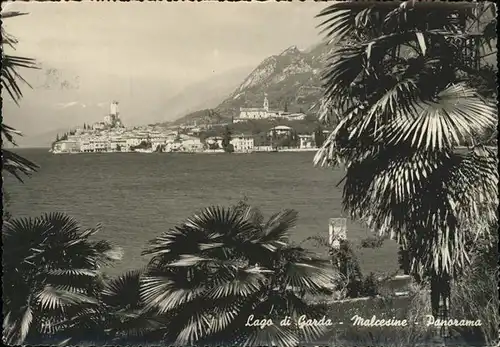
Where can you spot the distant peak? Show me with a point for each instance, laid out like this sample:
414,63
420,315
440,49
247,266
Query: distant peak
290,50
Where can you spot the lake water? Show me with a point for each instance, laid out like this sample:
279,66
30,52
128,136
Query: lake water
137,196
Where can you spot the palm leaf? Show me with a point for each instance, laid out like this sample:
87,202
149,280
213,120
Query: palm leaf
165,294
453,118
239,284
226,314
10,75
307,277
9,133
25,324
276,230
10,14
16,165
52,298
196,328
13,163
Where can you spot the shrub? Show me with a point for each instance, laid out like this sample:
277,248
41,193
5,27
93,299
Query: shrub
404,260
346,263
410,308
475,295
372,242
370,285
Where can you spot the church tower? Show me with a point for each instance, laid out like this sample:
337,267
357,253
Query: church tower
266,102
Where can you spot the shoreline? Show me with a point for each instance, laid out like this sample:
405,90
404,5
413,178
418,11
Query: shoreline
292,150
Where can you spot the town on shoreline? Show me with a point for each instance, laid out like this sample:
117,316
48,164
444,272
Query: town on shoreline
111,136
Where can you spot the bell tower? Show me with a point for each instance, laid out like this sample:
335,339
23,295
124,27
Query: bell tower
266,102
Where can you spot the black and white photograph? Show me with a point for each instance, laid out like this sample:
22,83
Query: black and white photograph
249,173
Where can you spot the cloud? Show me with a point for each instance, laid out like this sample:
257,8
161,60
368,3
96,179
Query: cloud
63,105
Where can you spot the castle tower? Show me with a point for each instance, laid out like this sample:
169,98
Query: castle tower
266,103
113,109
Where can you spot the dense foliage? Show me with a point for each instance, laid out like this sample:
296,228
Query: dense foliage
475,295
352,282
50,271
226,140
13,163
206,277
400,83
212,272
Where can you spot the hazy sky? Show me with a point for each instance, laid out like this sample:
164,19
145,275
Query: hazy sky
146,50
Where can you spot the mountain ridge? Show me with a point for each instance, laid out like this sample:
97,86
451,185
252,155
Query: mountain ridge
291,80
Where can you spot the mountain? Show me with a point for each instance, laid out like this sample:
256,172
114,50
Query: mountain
203,95
291,80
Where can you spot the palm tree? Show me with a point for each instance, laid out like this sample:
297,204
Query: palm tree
222,265
400,80
12,162
50,275
118,317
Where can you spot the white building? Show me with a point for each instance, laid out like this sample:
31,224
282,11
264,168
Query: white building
133,141
280,130
173,146
265,113
293,116
67,146
118,144
99,145
85,146
192,144
257,112
243,143
212,141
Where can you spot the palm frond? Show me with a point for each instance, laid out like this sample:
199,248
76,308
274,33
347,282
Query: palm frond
10,14
303,276
13,163
52,298
452,119
225,313
11,76
165,294
25,324
16,165
240,284
197,327
277,228
249,213
9,132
